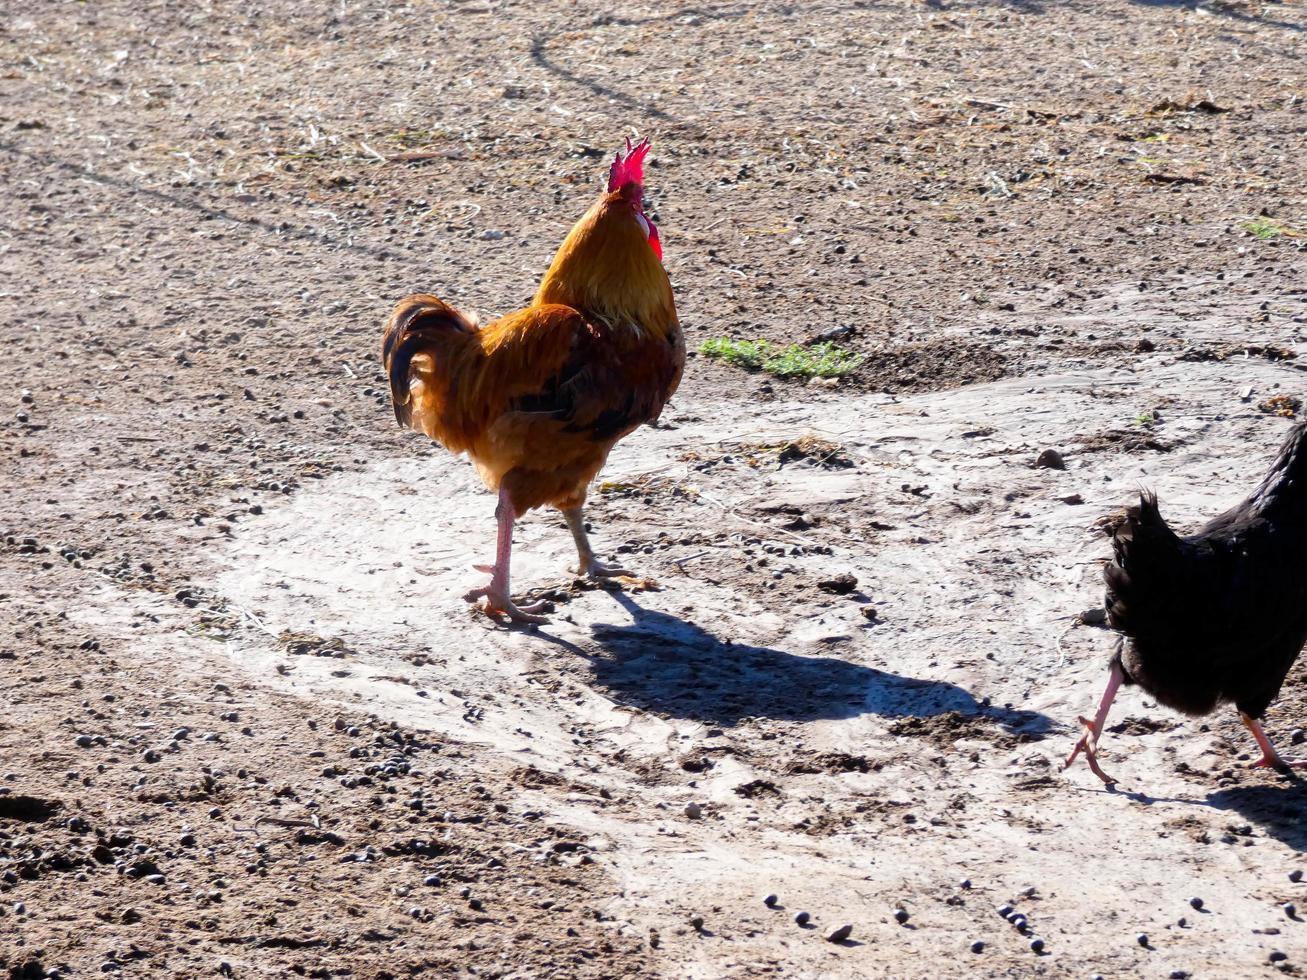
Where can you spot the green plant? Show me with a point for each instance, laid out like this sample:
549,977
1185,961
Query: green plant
747,354
824,360
1265,229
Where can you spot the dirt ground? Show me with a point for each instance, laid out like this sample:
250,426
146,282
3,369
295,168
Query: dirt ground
248,727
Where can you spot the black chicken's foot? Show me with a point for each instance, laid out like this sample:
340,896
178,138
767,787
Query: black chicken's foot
1088,743
1271,759
1279,763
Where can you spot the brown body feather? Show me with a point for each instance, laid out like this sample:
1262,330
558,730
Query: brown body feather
539,397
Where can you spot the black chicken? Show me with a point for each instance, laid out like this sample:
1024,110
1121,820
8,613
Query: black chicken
1216,617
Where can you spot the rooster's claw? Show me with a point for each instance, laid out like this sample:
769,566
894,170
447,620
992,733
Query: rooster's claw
594,568
498,604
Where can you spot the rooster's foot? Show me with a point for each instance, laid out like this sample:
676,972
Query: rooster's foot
594,568
499,604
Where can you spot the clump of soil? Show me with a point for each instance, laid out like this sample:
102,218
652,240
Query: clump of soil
943,730
1139,440
1223,352
930,366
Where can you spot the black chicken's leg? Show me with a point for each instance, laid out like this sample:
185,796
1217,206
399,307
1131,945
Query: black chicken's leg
1088,743
1270,757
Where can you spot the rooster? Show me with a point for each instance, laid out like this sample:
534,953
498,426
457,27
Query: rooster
539,397
1216,617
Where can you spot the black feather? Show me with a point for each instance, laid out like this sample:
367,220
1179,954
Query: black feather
415,323
1221,615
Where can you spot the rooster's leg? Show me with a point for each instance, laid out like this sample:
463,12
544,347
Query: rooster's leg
1088,743
587,563
497,596
1269,757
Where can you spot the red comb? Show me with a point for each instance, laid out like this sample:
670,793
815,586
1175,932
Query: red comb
629,169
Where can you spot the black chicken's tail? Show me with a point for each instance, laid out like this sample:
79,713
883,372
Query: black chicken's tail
421,325
1145,579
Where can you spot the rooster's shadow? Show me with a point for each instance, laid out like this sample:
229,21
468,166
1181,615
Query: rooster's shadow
662,663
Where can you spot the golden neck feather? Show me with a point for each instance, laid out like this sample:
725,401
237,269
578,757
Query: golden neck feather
606,268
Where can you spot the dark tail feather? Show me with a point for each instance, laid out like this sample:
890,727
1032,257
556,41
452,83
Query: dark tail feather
1146,566
418,324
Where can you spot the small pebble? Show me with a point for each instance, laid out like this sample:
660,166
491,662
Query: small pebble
840,934
84,741
1036,945
965,884
431,881
1295,876
978,946
1278,957
770,901
693,810
901,916
1290,910
1179,975
1005,910
1297,736
1196,903
696,922
802,918
1142,939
